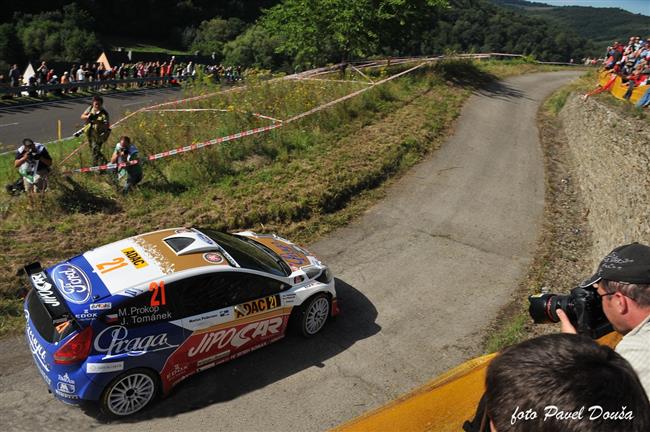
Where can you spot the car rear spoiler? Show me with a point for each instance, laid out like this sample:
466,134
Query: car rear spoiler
47,293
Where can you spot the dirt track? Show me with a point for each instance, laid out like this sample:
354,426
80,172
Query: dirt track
420,276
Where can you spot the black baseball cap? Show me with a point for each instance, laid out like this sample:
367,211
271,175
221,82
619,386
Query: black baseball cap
628,264
28,141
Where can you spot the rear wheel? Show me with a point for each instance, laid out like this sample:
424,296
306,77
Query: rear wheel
129,393
310,317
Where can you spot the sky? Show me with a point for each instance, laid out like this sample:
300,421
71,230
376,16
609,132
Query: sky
634,6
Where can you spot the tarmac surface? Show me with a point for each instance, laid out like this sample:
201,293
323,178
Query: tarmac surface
40,121
419,278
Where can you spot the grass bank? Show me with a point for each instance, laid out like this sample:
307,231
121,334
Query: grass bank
301,181
560,256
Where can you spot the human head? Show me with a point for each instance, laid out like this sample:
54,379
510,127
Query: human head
568,372
98,101
623,281
28,142
125,141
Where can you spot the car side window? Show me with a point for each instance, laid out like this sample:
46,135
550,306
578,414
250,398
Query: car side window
246,287
206,293
199,294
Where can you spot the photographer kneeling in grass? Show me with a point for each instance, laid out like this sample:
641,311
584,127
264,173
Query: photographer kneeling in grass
129,174
33,163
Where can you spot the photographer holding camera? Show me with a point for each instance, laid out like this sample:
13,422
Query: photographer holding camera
622,282
33,163
97,128
617,296
130,174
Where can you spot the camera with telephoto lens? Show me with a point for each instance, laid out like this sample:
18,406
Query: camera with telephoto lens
583,306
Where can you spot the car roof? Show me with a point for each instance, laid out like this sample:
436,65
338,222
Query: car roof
153,256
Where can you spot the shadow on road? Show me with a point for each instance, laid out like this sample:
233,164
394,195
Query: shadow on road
499,90
269,364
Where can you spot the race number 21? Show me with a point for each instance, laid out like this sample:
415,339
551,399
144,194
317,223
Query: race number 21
158,294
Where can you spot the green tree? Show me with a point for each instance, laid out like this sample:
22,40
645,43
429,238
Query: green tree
213,34
59,35
10,48
256,47
314,32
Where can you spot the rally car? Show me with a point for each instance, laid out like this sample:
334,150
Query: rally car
127,321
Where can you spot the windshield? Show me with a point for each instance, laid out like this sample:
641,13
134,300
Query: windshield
250,254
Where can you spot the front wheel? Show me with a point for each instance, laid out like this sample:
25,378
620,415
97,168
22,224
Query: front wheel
129,393
311,316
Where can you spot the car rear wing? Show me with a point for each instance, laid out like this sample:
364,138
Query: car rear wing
48,293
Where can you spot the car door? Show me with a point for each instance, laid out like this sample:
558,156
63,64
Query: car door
224,315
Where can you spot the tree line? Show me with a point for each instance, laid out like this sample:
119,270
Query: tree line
285,35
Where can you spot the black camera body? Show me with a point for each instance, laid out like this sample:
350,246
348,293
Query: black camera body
583,306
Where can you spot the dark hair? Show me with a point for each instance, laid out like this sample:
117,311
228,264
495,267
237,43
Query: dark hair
568,372
125,138
98,99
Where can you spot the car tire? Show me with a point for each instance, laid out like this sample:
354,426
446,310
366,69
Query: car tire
130,393
310,317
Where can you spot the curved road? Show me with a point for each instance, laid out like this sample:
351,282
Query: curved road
421,274
39,121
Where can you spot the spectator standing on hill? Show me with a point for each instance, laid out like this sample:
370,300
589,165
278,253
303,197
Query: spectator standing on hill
81,74
127,175
33,163
623,283
97,128
14,76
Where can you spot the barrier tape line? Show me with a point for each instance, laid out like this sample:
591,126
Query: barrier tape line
178,150
334,80
242,134
213,109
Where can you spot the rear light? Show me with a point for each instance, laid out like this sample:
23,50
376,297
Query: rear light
76,349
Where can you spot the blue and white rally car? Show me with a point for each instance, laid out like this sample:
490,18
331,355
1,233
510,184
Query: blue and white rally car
126,322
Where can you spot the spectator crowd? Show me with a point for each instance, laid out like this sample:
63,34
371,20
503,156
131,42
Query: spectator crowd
170,72
631,63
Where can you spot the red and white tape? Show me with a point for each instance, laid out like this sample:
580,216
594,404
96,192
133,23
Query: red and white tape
277,124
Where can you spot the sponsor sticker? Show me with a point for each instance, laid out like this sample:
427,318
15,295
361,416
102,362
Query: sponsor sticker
213,258
37,349
205,238
101,306
44,289
235,337
291,255
72,282
115,340
104,367
86,316
66,388
135,258
259,305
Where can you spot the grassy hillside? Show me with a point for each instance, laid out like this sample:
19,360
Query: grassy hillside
600,25
301,180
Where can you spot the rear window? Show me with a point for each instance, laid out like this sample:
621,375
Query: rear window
43,322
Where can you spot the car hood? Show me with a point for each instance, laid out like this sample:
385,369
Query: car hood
296,257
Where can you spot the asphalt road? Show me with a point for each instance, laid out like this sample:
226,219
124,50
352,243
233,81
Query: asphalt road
420,275
40,121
